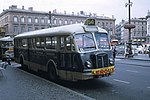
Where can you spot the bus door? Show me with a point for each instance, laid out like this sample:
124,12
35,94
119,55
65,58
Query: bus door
65,55
36,53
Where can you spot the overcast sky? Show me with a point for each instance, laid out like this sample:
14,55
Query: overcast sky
100,7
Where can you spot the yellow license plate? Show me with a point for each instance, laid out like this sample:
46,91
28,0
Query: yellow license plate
103,71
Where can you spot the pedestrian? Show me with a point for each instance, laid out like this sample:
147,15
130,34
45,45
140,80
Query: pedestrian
149,51
127,52
114,52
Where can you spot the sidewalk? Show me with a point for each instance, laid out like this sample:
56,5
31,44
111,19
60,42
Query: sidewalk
144,57
16,84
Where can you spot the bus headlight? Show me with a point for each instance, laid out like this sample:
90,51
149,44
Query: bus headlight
111,61
88,64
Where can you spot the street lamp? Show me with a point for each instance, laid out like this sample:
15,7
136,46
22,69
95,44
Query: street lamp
129,26
50,19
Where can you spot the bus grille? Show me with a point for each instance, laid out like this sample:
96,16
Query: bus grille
100,60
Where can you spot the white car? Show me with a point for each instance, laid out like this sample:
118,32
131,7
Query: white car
140,49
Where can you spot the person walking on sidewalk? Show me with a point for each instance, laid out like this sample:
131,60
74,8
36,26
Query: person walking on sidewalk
114,52
149,51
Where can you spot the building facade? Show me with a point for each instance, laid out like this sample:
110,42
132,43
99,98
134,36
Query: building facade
18,20
138,34
148,27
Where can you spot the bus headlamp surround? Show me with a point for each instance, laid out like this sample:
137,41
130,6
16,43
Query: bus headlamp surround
88,64
111,61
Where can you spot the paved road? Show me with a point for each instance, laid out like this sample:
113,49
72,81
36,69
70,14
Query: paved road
19,85
130,82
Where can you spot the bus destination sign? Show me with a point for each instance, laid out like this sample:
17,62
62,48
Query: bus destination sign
90,22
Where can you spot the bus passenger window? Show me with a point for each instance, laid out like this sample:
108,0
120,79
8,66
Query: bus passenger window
24,43
37,42
68,43
40,42
51,42
62,44
33,43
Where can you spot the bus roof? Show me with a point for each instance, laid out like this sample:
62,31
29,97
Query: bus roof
62,30
7,38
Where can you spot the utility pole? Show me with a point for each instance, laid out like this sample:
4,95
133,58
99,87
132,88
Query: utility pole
50,19
129,26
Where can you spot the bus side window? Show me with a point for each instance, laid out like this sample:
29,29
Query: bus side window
24,43
40,42
51,42
69,44
33,43
62,43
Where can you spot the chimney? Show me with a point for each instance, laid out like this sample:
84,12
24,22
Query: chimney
22,7
30,8
72,13
13,7
65,12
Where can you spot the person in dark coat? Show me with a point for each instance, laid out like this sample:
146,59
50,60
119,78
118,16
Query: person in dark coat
149,51
114,52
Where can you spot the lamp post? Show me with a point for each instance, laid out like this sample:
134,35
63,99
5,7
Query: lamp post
50,19
129,26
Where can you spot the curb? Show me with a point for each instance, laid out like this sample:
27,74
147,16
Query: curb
133,58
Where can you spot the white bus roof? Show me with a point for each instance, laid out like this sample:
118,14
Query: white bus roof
6,39
62,30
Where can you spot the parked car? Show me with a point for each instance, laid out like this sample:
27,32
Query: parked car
120,49
140,49
9,54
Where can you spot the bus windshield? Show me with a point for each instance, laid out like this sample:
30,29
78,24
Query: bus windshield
102,40
85,41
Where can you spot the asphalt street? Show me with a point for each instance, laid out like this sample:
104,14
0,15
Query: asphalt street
130,82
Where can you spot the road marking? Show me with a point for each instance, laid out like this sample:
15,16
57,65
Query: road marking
132,71
121,81
117,59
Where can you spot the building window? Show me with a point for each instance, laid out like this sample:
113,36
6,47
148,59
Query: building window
48,21
36,28
15,29
66,22
22,19
36,20
15,19
22,29
29,20
29,28
60,22
71,22
55,21
42,21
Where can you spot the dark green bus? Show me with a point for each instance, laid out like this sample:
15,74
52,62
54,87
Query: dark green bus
71,52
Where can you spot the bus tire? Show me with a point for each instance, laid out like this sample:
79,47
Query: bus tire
52,73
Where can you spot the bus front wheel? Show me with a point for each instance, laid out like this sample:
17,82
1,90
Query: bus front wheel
52,73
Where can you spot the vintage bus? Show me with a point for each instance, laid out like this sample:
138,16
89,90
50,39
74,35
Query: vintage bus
71,52
6,48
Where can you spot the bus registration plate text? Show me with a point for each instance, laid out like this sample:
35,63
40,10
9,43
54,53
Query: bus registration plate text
103,71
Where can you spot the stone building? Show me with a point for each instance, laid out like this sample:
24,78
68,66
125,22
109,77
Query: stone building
138,34
18,20
148,27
